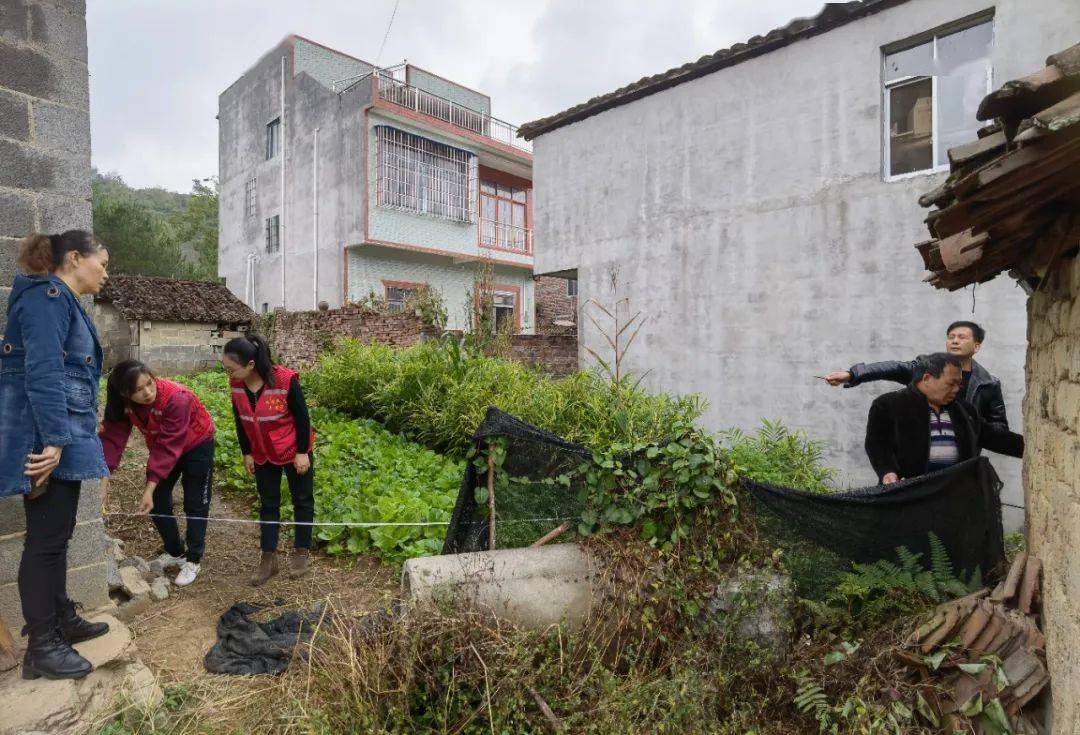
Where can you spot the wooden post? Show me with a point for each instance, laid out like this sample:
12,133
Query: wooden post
7,649
491,500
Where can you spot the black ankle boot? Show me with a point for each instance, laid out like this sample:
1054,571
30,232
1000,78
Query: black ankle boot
74,627
49,655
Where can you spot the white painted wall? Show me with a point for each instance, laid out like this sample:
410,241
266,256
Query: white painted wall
369,266
747,217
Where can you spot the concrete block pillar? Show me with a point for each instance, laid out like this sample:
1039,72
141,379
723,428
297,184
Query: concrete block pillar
45,186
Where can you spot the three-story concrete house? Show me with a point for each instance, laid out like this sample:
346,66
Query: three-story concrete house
339,180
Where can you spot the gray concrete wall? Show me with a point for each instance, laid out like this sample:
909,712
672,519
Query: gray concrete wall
244,110
747,216
448,90
44,186
114,331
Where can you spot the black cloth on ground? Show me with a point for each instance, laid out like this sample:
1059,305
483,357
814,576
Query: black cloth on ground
960,505
247,647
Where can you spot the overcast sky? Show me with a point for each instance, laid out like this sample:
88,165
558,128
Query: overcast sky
157,66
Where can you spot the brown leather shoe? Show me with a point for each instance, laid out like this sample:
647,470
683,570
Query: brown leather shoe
268,567
299,563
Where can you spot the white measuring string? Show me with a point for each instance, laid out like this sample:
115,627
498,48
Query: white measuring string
349,524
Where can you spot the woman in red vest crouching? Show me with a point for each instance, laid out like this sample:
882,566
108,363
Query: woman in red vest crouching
180,436
274,430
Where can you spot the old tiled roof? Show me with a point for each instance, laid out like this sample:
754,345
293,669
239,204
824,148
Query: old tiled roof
831,16
167,299
1012,201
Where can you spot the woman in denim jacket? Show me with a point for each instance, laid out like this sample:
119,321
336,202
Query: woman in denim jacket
50,365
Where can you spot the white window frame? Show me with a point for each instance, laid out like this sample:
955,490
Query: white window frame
570,281
888,86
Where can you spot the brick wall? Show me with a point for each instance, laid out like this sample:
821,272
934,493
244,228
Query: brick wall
114,332
297,338
45,185
1052,476
553,305
554,354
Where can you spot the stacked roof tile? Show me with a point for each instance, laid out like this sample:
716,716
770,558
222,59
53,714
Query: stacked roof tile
167,299
1012,200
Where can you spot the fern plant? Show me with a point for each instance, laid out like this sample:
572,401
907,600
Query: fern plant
872,594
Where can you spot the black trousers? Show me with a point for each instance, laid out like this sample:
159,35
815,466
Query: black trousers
50,521
302,489
195,470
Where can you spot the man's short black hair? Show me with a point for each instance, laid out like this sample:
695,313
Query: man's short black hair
933,365
976,331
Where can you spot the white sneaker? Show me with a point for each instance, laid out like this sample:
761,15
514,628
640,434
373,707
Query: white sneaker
168,561
187,574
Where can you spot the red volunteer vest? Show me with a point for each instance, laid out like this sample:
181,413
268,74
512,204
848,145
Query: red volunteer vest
270,428
200,425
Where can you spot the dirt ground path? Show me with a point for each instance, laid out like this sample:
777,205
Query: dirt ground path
174,635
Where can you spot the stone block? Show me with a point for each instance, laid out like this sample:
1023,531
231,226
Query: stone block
532,587
85,585
9,251
89,501
31,71
159,589
14,21
66,707
23,167
16,214
134,584
12,516
14,116
56,28
85,548
61,127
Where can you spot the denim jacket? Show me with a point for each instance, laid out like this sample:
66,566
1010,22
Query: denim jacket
50,366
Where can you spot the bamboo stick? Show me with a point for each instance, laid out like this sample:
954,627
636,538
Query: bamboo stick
552,534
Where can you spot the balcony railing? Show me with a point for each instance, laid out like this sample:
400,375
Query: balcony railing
398,92
505,237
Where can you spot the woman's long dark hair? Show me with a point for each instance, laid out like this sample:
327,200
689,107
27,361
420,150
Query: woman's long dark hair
120,386
252,348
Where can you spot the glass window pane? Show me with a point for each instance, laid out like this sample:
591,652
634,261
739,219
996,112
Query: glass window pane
505,191
964,48
958,97
487,187
910,127
913,62
487,209
519,195
518,215
504,212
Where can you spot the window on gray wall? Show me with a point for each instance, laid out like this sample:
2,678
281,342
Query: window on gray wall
273,234
932,90
251,202
424,176
571,287
273,138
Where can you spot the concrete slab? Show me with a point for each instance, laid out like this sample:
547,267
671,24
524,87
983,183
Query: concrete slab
68,707
529,587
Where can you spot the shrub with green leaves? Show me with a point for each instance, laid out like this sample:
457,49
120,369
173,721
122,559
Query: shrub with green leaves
778,456
363,473
437,393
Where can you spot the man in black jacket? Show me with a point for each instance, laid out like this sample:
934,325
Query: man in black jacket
924,427
978,387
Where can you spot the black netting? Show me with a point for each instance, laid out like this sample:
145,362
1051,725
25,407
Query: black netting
531,503
960,505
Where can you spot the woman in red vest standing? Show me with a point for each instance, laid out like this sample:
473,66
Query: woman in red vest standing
180,436
274,430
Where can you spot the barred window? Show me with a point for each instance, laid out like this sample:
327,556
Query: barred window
250,199
273,138
396,298
273,234
421,175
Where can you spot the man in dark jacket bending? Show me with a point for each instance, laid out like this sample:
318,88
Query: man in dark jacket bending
924,427
978,387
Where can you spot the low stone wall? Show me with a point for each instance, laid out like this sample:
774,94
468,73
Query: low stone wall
554,354
1052,477
297,338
